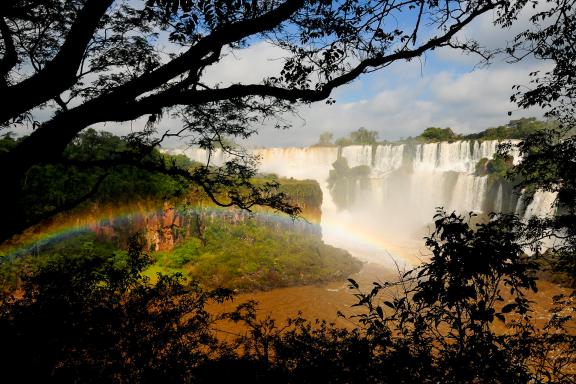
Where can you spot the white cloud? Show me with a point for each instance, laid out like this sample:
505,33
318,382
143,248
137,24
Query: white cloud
466,102
250,65
399,101
493,37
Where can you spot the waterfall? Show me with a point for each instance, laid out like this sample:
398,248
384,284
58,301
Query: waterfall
405,185
469,193
499,199
387,159
542,205
358,155
519,204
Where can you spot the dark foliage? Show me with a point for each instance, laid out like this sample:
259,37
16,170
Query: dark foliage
549,155
92,321
548,164
343,181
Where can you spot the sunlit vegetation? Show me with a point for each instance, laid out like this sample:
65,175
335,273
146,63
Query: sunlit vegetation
463,317
515,129
251,255
433,134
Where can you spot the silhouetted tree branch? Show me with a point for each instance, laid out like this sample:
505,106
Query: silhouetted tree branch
98,61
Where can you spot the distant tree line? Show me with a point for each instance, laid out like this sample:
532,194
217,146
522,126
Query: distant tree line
361,136
514,129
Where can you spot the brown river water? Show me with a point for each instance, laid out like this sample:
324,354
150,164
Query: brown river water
324,301
321,301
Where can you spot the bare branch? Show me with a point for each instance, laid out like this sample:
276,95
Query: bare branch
10,58
60,73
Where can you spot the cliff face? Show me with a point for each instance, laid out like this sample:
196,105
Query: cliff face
165,226
162,228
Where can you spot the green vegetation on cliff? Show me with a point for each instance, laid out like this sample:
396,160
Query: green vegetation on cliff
434,134
498,167
514,129
361,136
249,255
82,178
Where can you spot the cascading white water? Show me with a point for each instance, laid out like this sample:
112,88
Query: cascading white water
499,199
357,155
405,185
299,163
541,205
469,193
387,159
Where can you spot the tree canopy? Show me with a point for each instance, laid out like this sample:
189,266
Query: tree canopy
514,129
361,136
86,62
325,139
438,134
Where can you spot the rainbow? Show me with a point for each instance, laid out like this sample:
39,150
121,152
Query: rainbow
68,227
371,245
365,243
61,229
